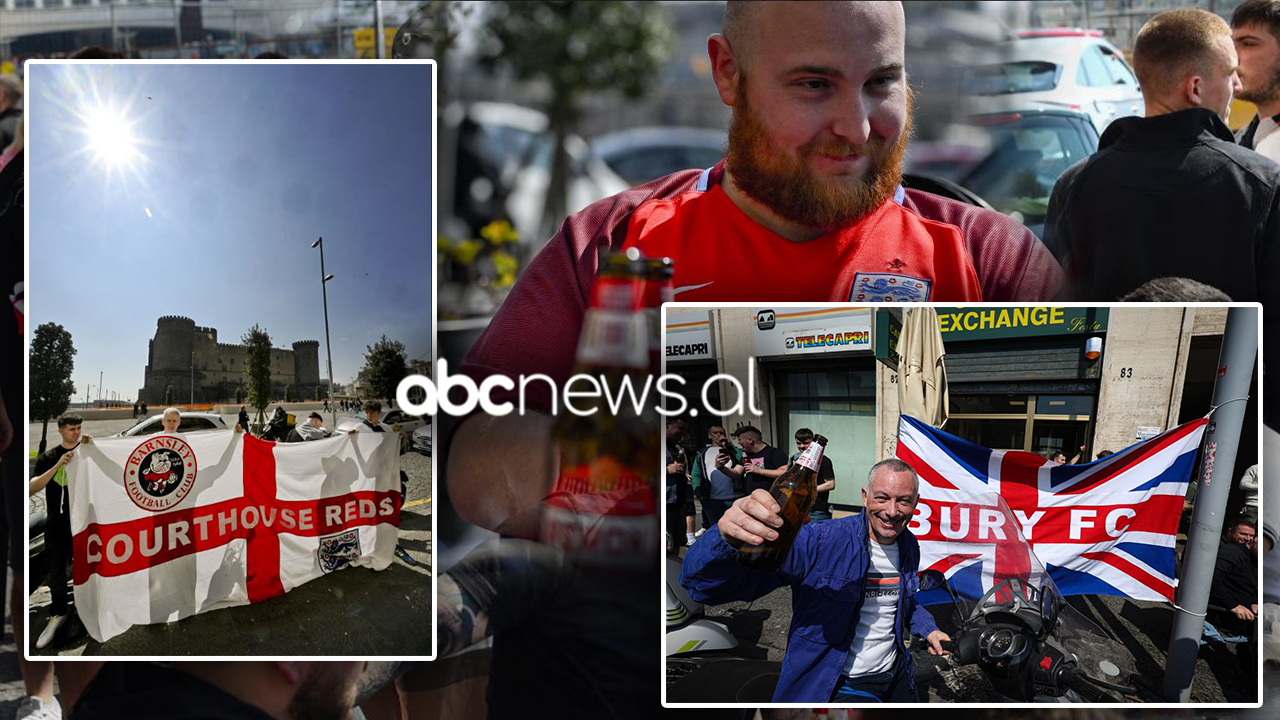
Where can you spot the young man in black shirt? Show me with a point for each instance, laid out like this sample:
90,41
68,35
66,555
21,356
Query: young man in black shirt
761,463
821,509
57,534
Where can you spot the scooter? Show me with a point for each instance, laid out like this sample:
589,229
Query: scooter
1017,628
688,631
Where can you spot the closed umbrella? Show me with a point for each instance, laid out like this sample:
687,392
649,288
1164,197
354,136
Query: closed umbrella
922,373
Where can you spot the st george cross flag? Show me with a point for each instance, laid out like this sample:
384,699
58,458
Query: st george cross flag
167,526
1102,528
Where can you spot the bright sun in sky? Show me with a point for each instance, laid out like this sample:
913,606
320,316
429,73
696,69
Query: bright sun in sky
111,138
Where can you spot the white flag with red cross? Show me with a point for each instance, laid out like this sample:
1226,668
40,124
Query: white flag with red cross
167,526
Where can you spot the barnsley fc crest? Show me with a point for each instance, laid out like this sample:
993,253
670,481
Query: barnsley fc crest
160,472
338,551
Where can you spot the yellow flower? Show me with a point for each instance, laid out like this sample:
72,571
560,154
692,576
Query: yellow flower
505,267
499,232
467,250
443,243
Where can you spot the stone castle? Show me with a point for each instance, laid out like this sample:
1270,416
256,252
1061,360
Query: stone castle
182,352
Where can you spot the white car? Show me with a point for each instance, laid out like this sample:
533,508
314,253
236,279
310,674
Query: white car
1064,68
399,421
421,439
190,422
648,153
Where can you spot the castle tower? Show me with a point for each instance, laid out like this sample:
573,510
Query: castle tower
306,362
171,358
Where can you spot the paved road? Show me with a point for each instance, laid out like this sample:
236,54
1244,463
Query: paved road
355,612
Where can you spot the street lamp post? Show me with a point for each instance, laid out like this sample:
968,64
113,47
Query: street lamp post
193,377
99,387
88,393
328,350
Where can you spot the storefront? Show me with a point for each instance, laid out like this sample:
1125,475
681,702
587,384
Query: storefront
819,370
1037,379
1024,378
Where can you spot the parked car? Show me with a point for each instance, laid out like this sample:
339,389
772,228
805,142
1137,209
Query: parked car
421,439
399,421
648,153
1066,68
504,166
1030,149
189,422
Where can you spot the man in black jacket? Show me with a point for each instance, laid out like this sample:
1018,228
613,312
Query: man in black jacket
1171,194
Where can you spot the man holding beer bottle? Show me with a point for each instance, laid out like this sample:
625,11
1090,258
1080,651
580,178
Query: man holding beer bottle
853,584
761,463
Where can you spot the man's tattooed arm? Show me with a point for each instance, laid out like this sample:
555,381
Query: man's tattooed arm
463,622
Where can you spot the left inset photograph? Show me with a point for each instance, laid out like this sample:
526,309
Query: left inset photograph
233,271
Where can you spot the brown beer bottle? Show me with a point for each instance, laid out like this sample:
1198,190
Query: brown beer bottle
602,509
794,492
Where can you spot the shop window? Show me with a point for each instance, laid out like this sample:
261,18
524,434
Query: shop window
840,404
1033,423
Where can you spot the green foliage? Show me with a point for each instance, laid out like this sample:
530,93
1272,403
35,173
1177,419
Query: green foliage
257,367
580,47
317,393
384,367
577,47
288,393
239,394
168,396
51,365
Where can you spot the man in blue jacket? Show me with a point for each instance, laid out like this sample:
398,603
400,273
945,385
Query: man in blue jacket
853,584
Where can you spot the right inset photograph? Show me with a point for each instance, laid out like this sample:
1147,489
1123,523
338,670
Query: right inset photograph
970,505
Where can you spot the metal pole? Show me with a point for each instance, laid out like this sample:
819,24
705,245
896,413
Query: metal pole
115,29
193,377
1235,370
382,39
1087,24
328,349
338,54
177,25
99,387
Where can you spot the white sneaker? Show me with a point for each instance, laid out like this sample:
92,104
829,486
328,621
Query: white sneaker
689,538
699,533
33,708
46,637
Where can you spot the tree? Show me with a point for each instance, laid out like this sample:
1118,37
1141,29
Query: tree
577,47
168,396
384,367
317,393
239,394
257,369
288,395
51,385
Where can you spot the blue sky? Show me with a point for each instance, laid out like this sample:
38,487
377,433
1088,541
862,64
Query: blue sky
198,189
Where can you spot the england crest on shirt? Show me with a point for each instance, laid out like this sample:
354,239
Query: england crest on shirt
889,287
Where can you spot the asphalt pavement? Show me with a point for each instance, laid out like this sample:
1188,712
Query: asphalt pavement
353,612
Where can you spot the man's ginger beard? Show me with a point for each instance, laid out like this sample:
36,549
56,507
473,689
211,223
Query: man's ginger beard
787,186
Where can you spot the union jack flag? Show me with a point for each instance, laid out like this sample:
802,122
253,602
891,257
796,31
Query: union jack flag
1103,528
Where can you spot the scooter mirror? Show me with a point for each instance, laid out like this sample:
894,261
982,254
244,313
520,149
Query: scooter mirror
932,580
1050,605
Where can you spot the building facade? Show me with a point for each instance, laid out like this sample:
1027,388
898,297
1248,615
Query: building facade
1018,378
184,356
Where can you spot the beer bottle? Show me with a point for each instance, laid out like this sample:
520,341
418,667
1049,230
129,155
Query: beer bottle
794,492
602,509
659,287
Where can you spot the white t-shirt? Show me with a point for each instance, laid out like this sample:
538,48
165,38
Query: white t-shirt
1266,139
873,649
